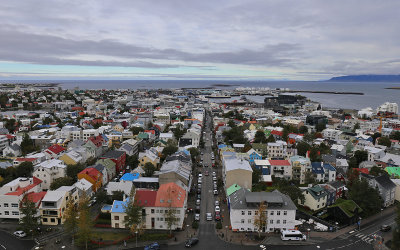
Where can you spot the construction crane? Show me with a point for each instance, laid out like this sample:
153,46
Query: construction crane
380,125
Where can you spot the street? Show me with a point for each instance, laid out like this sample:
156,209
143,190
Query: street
8,241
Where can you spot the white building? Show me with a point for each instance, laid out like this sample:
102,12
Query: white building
281,211
388,107
277,149
48,171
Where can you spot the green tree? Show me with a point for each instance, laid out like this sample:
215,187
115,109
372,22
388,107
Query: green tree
179,132
366,197
101,196
361,156
271,138
71,218
320,126
10,124
27,145
377,171
74,170
85,222
149,169
136,130
169,150
302,148
24,169
396,231
132,161
395,135
62,181
133,212
356,126
118,195
29,212
385,141
375,136
303,130
256,175
260,137
309,178
293,192
194,153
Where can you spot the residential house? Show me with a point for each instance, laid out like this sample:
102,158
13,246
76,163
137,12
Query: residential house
118,157
315,198
236,171
48,171
346,212
110,167
253,155
260,148
339,188
175,171
300,166
54,151
20,160
84,188
280,169
148,156
103,170
71,158
330,172
244,205
374,153
14,150
386,189
93,176
277,150
318,171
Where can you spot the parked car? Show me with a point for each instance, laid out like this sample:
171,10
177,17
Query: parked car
199,196
214,174
152,246
217,216
191,242
20,234
200,175
216,203
208,216
198,202
199,185
197,209
385,228
215,192
200,181
206,173
214,178
217,209
197,217
199,190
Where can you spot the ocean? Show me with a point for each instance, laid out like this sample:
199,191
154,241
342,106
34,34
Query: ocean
375,93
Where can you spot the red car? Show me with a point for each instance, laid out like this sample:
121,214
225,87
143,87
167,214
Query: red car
206,173
217,216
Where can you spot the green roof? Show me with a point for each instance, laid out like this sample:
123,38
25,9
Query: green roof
230,190
259,146
393,171
143,135
347,206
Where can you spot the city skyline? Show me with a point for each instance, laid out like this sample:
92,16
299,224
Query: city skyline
257,40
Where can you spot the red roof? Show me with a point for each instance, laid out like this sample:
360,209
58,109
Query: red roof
170,194
56,149
25,159
36,197
275,132
20,190
150,131
146,198
97,140
279,162
362,170
92,172
77,108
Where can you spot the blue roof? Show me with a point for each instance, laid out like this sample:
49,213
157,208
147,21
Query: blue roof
129,177
317,168
119,206
222,146
187,152
329,167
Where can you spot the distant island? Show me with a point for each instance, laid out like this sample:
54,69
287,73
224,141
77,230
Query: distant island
366,78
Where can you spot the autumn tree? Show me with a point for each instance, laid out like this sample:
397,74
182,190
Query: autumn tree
71,221
85,221
29,212
260,218
133,212
170,214
27,145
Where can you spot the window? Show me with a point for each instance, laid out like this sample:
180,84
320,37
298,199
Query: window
161,211
6,213
116,217
242,212
5,204
14,204
284,212
249,221
272,213
242,221
157,211
278,222
249,213
161,219
53,220
278,212
44,219
284,221
271,221
15,213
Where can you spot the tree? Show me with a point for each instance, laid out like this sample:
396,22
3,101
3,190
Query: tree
366,197
70,216
170,214
194,153
101,196
85,221
27,145
352,176
132,161
74,170
260,137
271,138
24,169
169,150
385,141
256,175
302,148
377,171
133,219
356,126
149,169
62,181
303,130
309,178
315,154
179,132
396,232
395,135
136,130
375,136
118,195
260,218
10,125
29,212
293,192
320,126
361,156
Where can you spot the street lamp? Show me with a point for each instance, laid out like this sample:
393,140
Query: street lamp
136,232
226,233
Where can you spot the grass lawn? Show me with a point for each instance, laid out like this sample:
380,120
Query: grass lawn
109,236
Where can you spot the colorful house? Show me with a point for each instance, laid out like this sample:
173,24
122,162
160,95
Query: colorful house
118,157
93,176
253,155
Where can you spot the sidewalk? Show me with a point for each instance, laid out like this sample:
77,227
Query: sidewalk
365,223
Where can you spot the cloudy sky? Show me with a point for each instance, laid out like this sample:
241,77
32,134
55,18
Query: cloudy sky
208,39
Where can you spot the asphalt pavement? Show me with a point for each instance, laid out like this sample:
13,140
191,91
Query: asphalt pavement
10,242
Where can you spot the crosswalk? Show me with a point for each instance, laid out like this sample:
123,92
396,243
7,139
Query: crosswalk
367,238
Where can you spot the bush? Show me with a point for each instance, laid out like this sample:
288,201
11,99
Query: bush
106,216
218,225
195,225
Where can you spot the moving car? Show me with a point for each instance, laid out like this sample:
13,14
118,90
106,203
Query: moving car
191,242
206,173
217,216
217,209
20,234
208,216
385,228
152,246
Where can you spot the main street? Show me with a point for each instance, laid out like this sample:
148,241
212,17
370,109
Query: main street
8,241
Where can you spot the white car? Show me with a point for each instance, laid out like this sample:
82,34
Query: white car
20,234
200,181
200,176
216,203
214,174
214,178
198,202
217,209
208,216
197,217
